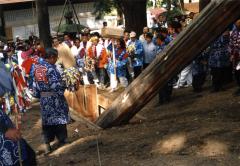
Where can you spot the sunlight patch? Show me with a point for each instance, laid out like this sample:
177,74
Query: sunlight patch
213,148
171,144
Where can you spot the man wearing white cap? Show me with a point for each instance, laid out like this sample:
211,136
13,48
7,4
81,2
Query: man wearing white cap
135,50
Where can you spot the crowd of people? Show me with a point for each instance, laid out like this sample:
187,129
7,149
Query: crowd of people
33,71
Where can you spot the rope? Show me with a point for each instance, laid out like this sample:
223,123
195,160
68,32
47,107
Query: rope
98,152
65,5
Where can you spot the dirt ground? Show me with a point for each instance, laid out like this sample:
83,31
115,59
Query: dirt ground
193,130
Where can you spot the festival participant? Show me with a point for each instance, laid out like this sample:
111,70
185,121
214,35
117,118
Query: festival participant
185,77
235,53
120,70
142,37
150,50
135,50
126,37
65,57
85,43
166,92
162,21
200,67
68,41
23,96
164,32
76,47
10,137
81,57
219,60
174,28
32,38
49,87
97,55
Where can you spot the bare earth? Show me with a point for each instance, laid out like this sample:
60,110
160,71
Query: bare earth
193,130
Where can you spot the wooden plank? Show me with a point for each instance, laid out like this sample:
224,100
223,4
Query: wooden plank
84,101
214,19
104,102
91,101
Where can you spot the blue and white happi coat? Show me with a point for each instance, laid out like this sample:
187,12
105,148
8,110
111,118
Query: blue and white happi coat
219,55
121,65
9,149
49,87
199,66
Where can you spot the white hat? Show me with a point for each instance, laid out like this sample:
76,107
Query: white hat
133,34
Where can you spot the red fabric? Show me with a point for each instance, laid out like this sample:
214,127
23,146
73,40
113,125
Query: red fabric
26,54
82,53
27,64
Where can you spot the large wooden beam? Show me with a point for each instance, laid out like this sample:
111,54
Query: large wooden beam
211,22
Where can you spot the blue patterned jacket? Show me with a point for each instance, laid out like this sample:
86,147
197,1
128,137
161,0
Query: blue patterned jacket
9,149
138,55
219,55
121,65
49,87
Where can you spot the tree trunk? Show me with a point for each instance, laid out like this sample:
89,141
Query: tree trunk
2,22
169,6
43,23
203,4
171,61
135,15
182,3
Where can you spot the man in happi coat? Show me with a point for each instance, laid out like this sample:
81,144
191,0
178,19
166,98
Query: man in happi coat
49,87
219,61
136,54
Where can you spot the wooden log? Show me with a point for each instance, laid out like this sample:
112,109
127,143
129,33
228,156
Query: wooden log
210,23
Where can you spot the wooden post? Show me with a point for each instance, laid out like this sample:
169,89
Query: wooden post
43,23
2,22
211,22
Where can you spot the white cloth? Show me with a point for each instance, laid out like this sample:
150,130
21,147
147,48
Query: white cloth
113,81
20,59
1,55
75,51
185,77
85,80
89,44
